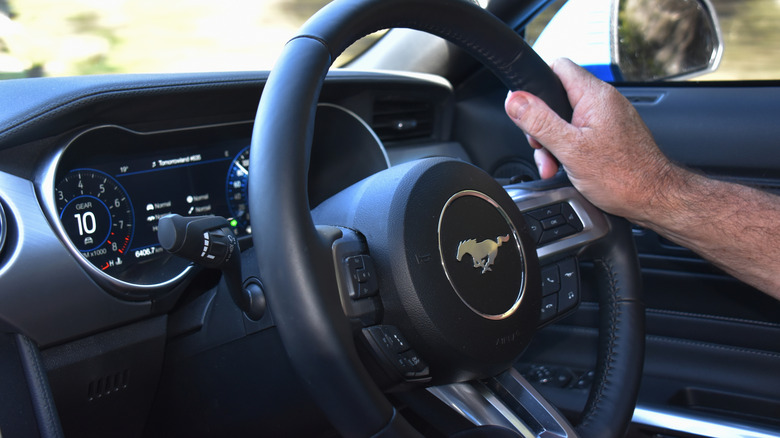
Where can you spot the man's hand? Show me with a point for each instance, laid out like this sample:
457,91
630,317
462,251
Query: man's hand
613,160
607,151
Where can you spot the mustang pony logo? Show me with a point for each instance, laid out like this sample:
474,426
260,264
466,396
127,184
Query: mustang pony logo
484,253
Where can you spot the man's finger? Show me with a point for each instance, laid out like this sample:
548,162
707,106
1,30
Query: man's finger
546,163
577,81
532,141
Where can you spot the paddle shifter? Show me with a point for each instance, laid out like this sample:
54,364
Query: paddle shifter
209,242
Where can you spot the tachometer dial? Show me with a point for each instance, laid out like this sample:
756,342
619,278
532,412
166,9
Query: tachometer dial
97,216
238,194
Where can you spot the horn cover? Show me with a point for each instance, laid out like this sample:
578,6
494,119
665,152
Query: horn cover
469,318
473,232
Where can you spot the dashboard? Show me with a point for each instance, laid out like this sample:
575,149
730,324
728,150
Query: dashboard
107,188
89,165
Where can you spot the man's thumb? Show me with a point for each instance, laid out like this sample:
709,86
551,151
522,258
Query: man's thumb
536,119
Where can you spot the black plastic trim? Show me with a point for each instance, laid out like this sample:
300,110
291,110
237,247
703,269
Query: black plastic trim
40,391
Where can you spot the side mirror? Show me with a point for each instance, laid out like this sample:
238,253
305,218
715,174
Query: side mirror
635,40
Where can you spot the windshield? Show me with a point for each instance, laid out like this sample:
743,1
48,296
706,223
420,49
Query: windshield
78,37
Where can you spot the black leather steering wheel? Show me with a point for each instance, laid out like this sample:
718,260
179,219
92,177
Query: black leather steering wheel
407,214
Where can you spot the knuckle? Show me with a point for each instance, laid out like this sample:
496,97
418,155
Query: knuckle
537,125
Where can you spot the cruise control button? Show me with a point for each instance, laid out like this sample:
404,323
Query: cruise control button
389,338
362,276
412,361
411,365
354,263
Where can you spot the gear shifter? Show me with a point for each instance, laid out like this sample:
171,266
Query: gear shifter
209,242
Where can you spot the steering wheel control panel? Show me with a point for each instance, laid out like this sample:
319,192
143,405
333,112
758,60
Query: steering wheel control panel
560,289
558,377
560,220
362,276
553,222
388,342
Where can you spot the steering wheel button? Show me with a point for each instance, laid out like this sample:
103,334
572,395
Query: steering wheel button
569,274
389,338
551,281
362,275
534,226
555,221
354,263
567,300
362,291
368,285
571,217
557,233
412,363
546,212
549,307
397,340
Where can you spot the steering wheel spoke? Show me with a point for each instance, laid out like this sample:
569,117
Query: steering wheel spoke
562,223
561,219
507,400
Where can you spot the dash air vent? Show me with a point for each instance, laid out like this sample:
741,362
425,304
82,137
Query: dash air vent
398,119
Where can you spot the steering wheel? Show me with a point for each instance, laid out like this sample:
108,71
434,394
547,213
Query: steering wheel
426,274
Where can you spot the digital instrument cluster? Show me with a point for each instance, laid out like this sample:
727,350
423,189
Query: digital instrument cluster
112,185
107,189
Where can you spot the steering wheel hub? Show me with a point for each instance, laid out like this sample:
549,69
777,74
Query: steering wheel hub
457,268
482,255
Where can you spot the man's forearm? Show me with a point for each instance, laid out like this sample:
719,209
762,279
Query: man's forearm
734,226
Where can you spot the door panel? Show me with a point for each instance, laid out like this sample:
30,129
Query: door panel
713,343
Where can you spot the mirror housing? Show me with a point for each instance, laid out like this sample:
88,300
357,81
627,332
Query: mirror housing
635,40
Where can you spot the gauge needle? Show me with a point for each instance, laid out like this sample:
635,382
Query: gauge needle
242,169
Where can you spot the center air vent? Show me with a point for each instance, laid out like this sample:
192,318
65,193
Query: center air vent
398,119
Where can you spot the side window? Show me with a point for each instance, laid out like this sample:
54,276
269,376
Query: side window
606,38
751,40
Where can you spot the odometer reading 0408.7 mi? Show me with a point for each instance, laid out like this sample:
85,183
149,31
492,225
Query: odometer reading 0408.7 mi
97,216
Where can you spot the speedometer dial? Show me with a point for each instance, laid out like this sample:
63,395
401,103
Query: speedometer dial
97,216
238,193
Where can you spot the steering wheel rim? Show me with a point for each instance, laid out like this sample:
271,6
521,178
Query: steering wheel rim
296,264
